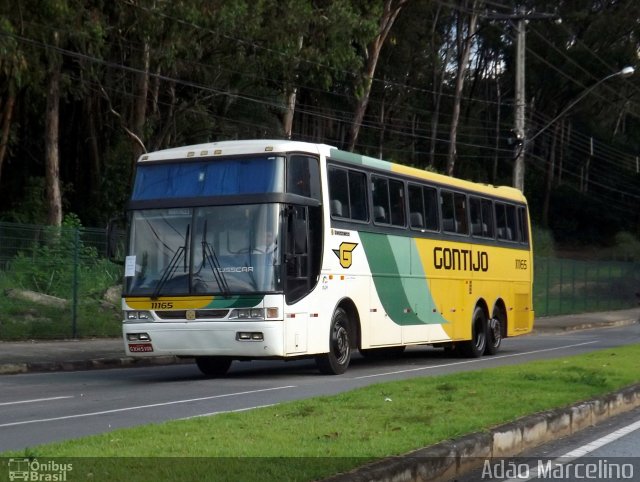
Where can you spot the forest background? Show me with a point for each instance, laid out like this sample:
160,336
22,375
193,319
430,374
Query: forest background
86,86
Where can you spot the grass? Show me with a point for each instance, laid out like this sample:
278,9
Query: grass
314,438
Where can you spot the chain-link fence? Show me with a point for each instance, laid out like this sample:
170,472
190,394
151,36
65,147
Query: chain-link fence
58,283
562,286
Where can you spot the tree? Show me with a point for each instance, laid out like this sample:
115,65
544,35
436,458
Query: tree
390,12
465,33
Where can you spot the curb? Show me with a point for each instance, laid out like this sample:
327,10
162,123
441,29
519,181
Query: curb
584,326
454,458
93,364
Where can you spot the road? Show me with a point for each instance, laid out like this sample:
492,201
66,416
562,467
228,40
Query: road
609,451
44,407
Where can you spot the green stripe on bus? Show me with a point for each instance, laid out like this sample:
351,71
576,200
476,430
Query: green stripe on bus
406,298
235,302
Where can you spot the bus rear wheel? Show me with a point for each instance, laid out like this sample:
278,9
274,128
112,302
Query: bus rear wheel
494,332
337,360
213,366
475,347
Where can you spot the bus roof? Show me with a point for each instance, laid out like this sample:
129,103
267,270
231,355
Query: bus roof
242,147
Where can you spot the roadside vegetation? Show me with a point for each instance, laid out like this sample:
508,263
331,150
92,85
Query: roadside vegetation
314,438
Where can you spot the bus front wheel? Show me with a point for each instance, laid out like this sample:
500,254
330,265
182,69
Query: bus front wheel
337,360
475,347
213,366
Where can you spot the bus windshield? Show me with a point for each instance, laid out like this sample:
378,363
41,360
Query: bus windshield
218,177
217,250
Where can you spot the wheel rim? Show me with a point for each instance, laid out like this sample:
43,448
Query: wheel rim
479,336
495,330
340,343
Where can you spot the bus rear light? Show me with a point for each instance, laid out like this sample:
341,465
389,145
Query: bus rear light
249,336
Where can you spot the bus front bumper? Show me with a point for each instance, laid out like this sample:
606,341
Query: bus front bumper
251,340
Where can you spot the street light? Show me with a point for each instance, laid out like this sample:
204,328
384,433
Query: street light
626,72
518,176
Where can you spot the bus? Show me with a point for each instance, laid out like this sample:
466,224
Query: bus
276,249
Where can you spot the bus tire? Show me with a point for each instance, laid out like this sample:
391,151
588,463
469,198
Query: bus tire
337,360
213,366
475,347
494,333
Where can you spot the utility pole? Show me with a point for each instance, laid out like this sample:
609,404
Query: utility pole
520,103
521,17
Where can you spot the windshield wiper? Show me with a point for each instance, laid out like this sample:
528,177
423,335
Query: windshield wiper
208,254
171,267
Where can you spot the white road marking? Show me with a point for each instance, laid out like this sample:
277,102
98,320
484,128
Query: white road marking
575,454
476,360
246,409
601,442
139,407
35,400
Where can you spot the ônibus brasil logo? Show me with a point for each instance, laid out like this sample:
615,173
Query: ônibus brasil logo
33,470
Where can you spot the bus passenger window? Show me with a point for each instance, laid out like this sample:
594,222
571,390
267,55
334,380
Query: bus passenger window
380,194
431,208
481,213
339,192
396,191
416,207
506,221
358,195
512,225
487,219
522,221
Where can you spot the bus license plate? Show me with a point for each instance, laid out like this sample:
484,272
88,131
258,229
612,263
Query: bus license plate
140,347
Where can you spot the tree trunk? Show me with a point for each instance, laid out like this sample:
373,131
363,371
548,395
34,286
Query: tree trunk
7,115
140,105
494,172
51,139
551,166
460,75
389,16
290,95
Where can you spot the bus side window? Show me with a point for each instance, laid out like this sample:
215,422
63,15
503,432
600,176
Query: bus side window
339,192
303,176
380,195
448,216
430,195
416,207
522,221
488,230
512,223
462,223
475,213
396,192
358,195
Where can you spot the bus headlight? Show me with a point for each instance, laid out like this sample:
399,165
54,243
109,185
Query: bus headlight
137,316
247,314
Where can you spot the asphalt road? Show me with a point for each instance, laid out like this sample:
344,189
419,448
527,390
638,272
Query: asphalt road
609,451
38,408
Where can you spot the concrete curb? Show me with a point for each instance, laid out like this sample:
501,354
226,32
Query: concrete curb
584,326
454,458
92,364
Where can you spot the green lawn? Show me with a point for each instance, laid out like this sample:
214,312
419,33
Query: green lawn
314,438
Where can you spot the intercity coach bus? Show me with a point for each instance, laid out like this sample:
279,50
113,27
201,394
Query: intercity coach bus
259,249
